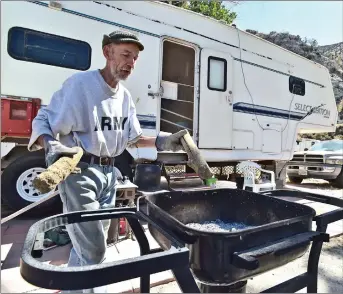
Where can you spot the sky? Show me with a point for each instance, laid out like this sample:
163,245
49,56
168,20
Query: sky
321,20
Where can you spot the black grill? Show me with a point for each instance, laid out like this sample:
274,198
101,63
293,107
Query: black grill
308,158
221,262
298,158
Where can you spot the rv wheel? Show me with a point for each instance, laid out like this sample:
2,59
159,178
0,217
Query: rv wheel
17,190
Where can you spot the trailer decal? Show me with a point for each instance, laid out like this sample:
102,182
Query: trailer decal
276,71
304,107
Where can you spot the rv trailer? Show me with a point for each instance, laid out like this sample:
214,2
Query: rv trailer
239,96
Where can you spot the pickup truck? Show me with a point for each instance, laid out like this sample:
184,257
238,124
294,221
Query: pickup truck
323,160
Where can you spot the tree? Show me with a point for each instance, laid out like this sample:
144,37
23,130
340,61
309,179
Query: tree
182,4
215,9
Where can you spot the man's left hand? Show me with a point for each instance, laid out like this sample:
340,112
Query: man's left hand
170,142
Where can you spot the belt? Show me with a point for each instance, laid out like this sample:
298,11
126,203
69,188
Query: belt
93,159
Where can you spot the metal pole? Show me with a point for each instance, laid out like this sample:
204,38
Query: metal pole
13,215
313,261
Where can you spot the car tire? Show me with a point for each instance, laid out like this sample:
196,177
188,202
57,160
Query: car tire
338,182
295,180
17,191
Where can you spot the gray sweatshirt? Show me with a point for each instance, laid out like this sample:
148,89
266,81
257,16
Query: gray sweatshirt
86,112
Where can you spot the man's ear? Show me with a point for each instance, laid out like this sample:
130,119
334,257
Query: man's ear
108,51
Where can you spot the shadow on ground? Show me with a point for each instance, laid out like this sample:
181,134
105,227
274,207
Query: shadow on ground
331,272
317,184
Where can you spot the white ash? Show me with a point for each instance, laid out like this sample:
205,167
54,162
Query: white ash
218,226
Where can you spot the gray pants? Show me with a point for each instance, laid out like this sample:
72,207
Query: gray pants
92,189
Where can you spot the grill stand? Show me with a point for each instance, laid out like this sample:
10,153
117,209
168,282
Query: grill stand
153,261
76,278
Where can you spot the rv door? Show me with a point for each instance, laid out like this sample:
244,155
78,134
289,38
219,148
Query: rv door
215,103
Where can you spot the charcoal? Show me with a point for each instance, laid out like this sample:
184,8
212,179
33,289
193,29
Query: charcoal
218,226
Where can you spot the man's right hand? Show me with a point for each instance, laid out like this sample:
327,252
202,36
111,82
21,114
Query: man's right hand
55,150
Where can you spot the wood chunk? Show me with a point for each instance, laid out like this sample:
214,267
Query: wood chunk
57,172
195,159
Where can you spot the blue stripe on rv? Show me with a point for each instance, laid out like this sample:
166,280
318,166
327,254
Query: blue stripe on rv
147,121
267,111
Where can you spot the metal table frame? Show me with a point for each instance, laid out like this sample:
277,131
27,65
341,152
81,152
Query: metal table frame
153,261
308,279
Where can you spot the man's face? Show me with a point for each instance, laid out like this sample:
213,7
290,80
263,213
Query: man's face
121,59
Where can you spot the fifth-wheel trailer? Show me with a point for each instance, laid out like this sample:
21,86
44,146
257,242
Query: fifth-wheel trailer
240,97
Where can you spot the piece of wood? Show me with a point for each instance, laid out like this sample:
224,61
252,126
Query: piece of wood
195,159
57,172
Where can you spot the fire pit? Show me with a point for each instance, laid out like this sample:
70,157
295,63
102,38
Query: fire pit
269,232
277,231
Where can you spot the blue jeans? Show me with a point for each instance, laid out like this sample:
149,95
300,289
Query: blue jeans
92,189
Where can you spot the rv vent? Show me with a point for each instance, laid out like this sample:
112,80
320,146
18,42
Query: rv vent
296,86
55,5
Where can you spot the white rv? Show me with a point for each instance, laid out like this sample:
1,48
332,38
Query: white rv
240,97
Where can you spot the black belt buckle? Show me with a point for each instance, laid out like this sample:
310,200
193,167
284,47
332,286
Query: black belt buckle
104,161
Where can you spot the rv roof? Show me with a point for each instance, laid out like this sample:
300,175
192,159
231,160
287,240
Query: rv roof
228,26
129,8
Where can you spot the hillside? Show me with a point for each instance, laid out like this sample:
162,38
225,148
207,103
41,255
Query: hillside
333,52
329,56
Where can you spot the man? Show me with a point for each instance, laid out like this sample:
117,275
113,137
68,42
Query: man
93,110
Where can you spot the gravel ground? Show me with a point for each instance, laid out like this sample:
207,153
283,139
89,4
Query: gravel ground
330,278
318,186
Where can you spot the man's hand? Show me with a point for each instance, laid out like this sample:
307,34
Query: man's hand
55,150
170,142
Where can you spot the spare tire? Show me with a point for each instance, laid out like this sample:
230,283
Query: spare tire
17,190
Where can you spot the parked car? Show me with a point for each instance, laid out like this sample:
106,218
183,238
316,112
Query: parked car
303,144
323,160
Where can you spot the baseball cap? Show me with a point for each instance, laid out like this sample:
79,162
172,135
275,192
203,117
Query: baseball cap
118,37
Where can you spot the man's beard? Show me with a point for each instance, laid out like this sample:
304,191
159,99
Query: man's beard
120,75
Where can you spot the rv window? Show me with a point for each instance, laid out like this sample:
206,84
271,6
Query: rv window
216,78
296,86
33,46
